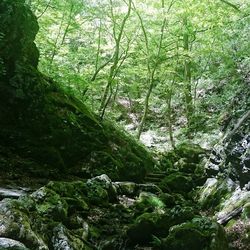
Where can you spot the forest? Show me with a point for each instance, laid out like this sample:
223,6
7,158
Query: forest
125,124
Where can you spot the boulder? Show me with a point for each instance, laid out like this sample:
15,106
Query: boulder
9,244
16,224
18,28
62,239
49,204
177,182
100,189
148,202
214,191
199,234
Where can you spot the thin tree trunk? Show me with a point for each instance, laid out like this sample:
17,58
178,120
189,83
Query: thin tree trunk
45,9
68,24
151,79
115,57
57,39
187,77
169,114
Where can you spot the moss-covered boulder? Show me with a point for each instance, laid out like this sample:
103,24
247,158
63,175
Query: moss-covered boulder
214,191
100,190
16,223
177,182
157,223
144,227
198,234
148,202
49,204
63,239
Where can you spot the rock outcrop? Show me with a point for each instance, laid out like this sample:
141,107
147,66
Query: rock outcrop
226,192
45,131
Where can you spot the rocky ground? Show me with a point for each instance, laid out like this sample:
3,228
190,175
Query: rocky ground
178,212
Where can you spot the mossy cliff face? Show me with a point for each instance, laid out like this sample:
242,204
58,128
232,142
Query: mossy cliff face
44,130
18,31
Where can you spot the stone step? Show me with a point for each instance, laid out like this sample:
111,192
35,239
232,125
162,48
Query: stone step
153,179
157,175
160,172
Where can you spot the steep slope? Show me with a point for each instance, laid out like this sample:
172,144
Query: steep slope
45,131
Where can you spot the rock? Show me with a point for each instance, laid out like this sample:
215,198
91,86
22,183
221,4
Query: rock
246,211
126,188
150,188
11,193
186,167
181,213
214,190
71,189
192,153
143,228
100,189
199,234
19,26
9,244
63,240
233,202
76,205
50,204
157,223
215,161
167,199
148,202
177,182
16,224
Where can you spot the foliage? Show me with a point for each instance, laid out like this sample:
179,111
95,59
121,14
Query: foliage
167,56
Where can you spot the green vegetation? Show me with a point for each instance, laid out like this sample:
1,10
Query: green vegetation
75,75
168,60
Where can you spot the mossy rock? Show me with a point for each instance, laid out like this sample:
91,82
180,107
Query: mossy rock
50,204
126,188
148,202
246,211
192,152
16,224
199,234
75,204
9,244
64,239
144,227
177,182
71,189
157,223
101,189
167,199
214,192
182,213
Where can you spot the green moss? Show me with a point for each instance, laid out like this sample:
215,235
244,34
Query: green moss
50,204
246,211
177,182
148,202
191,152
68,189
198,234
213,193
143,228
